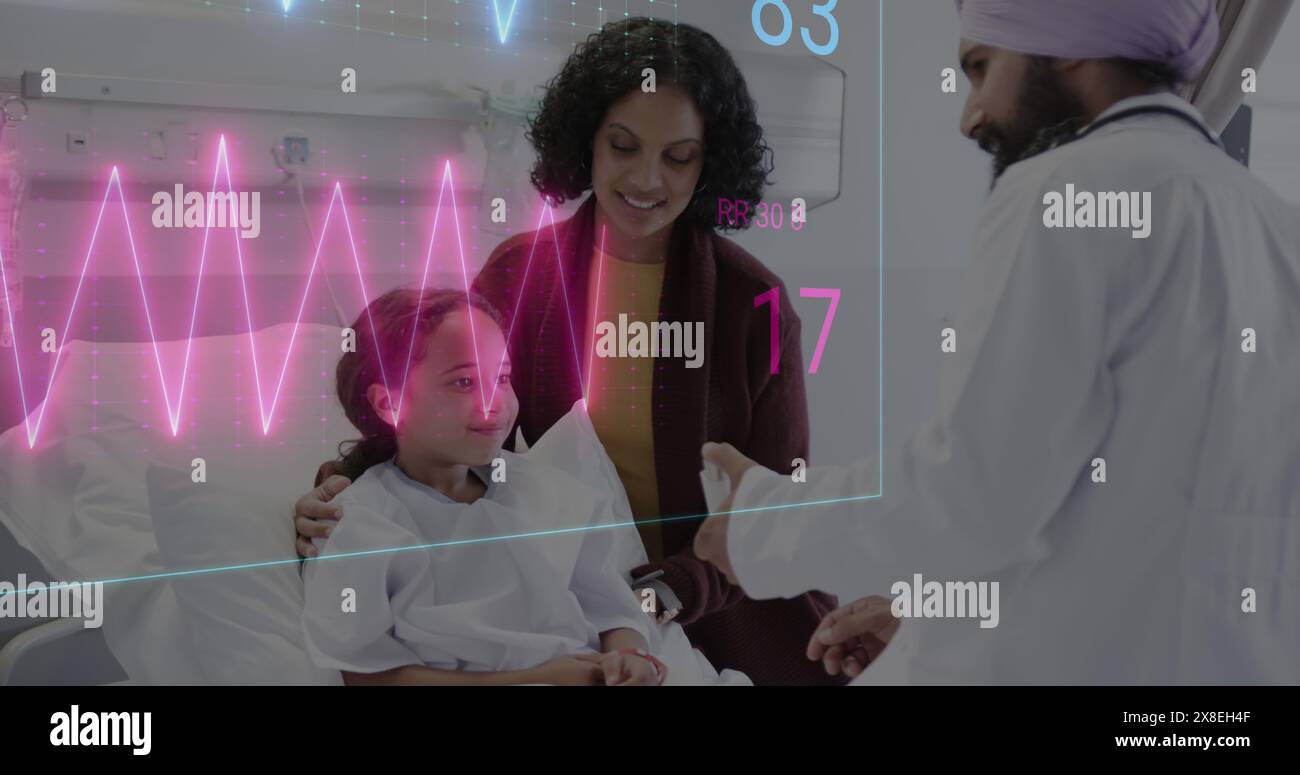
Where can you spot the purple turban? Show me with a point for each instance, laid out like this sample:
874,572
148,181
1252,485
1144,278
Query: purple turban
1179,33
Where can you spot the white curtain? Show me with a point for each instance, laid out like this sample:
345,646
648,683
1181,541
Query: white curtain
1247,30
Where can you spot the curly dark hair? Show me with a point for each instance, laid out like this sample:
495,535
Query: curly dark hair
606,67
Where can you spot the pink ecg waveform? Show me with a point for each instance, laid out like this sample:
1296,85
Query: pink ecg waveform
266,408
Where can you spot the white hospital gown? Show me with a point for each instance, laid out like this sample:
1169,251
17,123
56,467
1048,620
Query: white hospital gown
495,599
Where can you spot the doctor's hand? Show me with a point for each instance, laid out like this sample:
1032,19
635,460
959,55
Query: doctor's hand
852,636
314,516
711,538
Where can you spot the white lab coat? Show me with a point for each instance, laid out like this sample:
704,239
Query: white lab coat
1075,344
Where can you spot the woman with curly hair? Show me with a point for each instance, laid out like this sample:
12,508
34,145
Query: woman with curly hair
645,244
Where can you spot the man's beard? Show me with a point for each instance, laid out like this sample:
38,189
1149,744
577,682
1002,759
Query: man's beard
1047,115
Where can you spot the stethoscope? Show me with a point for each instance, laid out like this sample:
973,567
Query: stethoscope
1147,109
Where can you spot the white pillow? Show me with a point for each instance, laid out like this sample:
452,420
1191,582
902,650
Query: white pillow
244,622
572,446
78,500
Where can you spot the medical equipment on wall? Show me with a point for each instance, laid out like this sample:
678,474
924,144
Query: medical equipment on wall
289,157
13,189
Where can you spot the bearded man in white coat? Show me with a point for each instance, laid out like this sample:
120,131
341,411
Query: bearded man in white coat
1116,446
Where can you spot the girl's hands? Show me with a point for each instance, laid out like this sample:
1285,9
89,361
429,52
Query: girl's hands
624,669
612,669
579,670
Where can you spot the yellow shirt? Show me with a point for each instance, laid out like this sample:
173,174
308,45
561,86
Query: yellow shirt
620,390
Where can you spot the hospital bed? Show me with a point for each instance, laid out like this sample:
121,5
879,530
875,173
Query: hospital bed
106,504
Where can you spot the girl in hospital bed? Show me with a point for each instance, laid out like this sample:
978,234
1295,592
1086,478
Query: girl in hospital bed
429,580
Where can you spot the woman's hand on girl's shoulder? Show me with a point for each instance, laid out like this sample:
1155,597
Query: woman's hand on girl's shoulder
314,516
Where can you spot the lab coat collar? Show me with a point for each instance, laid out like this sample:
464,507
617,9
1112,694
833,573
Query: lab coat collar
1157,99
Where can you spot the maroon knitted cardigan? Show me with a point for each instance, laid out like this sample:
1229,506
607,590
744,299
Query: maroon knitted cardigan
733,397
